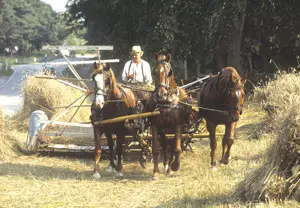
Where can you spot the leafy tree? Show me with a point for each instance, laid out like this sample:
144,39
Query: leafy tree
272,32
209,34
30,24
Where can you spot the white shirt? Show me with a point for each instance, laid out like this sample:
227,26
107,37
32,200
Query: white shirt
141,71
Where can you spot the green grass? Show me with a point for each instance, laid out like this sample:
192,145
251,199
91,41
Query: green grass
4,72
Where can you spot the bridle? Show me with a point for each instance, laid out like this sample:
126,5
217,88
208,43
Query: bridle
100,90
166,69
100,77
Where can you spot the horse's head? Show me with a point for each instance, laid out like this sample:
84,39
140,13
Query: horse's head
166,87
101,78
236,94
163,73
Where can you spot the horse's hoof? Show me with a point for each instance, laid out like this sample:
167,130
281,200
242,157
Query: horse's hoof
110,169
96,176
143,165
225,161
143,162
170,173
119,174
166,169
175,166
155,176
214,168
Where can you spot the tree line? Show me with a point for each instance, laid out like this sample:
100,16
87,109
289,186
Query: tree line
250,35
202,36
26,26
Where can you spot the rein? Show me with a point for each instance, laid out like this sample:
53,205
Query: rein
209,109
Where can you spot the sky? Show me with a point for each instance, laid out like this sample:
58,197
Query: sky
57,5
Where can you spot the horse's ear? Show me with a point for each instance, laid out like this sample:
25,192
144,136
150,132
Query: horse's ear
168,57
107,66
155,56
95,65
244,78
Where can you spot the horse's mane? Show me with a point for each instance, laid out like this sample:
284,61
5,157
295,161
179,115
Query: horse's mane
234,76
119,91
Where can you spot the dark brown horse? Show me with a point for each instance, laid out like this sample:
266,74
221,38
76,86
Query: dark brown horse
221,102
111,100
167,99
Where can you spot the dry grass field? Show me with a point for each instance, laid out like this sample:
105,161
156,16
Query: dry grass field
65,180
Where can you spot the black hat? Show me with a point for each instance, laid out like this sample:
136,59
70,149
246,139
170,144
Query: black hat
163,53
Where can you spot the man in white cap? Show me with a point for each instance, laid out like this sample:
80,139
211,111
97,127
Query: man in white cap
137,70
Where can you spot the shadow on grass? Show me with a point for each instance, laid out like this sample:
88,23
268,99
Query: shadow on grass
213,201
251,130
40,172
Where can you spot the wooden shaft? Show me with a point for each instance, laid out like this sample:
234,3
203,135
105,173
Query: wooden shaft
63,78
129,117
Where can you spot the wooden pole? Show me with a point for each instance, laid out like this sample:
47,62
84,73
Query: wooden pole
85,47
67,109
129,117
63,78
72,69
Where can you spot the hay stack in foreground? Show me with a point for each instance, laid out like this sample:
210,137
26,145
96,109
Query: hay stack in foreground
8,144
279,178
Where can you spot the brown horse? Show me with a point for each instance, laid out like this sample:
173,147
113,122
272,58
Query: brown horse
168,99
221,102
120,102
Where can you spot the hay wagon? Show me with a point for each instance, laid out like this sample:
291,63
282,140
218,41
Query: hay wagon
46,135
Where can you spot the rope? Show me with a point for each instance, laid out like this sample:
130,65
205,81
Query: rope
209,109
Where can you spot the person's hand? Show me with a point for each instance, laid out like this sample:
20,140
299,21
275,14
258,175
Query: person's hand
130,76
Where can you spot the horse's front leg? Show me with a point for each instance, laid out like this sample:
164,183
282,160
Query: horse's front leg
110,142
119,150
177,149
211,128
155,151
98,150
165,147
227,142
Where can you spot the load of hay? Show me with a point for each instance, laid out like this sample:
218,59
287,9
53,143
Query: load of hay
279,177
8,144
52,97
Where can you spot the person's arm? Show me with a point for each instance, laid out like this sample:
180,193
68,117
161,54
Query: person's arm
147,73
125,71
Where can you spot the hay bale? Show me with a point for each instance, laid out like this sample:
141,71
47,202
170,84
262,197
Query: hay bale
279,177
8,144
277,94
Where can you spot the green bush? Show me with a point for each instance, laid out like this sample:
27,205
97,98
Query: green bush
5,70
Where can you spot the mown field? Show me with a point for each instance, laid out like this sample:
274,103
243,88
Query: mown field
264,170
66,180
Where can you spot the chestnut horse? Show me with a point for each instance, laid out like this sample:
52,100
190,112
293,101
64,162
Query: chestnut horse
168,99
221,102
120,102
